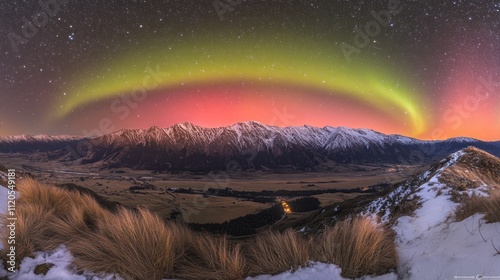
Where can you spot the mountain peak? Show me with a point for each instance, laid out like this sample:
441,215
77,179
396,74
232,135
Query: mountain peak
154,128
249,124
252,123
471,156
472,168
186,126
155,132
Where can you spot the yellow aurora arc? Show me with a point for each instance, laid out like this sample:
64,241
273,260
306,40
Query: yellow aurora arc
295,62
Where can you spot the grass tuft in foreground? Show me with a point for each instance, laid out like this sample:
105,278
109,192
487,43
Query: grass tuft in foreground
490,206
136,245
275,252
359,246
213,258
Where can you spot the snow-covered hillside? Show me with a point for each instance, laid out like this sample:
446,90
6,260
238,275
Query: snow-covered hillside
431,243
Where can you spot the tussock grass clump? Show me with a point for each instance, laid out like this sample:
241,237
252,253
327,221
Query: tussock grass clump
133,244
458,179
490,206
492,209
275,252
212,258
469,207
48,217
47,197
485,165
31,231
473,170
359,246
136,245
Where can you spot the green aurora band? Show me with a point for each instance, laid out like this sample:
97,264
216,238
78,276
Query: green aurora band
296,62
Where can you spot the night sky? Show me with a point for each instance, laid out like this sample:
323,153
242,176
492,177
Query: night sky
426,69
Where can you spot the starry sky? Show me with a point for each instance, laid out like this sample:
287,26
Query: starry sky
426,69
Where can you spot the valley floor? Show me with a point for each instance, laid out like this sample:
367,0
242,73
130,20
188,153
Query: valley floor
114,184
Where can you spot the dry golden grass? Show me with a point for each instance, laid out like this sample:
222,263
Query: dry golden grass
31,231
482,163
48,217
469,207
490,206
82,216
133,244
474,169
212,258
275,252
359,247
136,245
48,197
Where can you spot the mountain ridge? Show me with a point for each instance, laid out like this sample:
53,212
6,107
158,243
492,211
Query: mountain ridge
194,127
248,145
450,174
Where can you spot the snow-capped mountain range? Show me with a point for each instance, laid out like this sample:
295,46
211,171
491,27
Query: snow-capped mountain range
38,138
186,146
40,142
